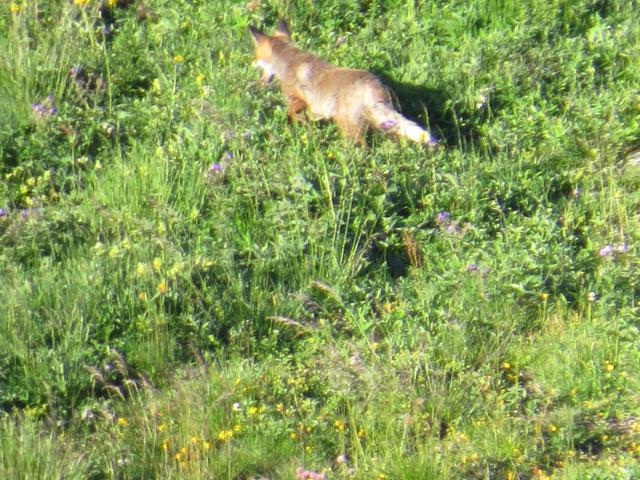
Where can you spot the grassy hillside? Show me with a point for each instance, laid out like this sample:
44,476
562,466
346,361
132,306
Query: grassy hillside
194,288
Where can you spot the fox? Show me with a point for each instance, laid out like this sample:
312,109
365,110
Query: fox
356,100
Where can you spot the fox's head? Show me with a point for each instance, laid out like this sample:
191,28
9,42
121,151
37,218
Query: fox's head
264,48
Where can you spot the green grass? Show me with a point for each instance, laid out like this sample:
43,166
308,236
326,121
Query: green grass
379,313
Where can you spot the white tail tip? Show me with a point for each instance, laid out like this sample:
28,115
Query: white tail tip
425,137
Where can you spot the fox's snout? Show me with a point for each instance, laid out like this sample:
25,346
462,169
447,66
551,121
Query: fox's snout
266,71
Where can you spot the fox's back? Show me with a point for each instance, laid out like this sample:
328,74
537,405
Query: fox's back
329,90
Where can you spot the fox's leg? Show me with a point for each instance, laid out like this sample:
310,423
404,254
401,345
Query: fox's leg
354,131
295,105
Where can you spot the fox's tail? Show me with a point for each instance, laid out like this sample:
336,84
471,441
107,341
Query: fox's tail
384,117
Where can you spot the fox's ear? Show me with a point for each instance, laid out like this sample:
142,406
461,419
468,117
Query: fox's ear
256,34
282,29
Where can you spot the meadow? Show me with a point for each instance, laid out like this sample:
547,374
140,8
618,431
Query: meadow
194,288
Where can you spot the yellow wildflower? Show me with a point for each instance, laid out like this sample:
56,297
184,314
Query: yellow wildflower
156,264
80,3
178,59
206,263
338,425
98,247
162,287
175,270
122,422
225,435
252,410
14,8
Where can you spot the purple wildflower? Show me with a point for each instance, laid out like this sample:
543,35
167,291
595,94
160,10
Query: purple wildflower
340,40
228,155
472,267
3,212
388,124
606,250
74,71
44,109
303,474
442,217
577,191
215,167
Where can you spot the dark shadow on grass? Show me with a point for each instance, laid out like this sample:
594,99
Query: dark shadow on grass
451,127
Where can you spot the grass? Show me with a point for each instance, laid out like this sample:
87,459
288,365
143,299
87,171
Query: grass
194,288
